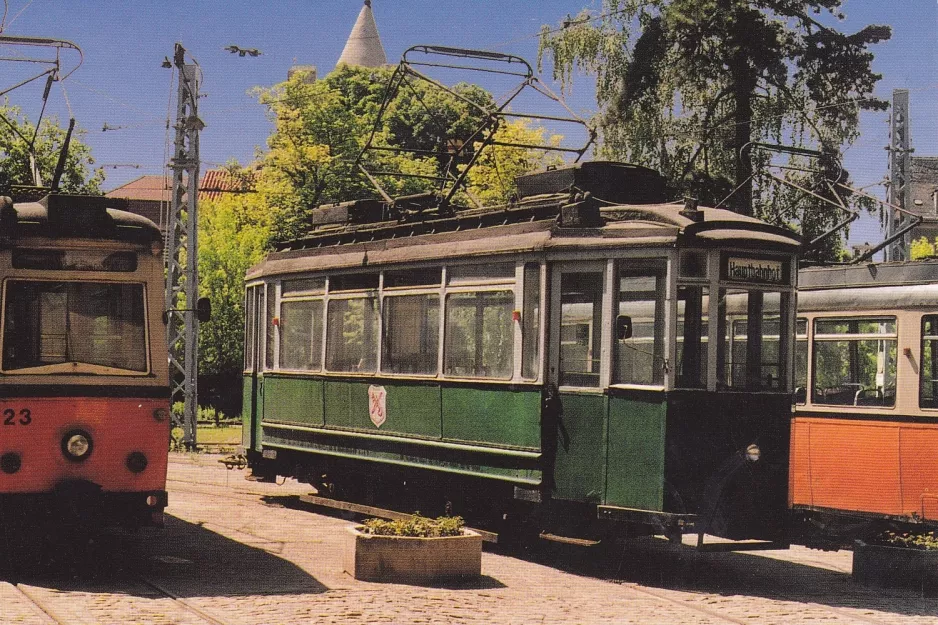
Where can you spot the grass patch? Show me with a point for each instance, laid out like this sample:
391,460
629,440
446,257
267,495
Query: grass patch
211,435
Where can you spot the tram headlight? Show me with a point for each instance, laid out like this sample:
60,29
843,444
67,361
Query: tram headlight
161,414
136,462
753,453
76,445
10,462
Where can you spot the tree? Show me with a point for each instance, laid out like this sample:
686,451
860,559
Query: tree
492,180
686,86
234,232
922,248
321,126
78,175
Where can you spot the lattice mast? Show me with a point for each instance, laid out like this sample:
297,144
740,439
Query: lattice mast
900,172
182,281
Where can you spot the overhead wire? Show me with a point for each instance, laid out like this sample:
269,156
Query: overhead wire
26,6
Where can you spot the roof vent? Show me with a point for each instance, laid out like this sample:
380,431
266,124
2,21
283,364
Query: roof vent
690,210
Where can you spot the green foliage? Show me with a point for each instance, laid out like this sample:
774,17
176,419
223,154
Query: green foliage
78,175
320,128
684,86
492,178
923,248
234,232
416,526
912,540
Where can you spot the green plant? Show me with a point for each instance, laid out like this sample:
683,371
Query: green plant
912,540
416,526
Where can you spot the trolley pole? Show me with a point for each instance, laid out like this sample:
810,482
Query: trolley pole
182,279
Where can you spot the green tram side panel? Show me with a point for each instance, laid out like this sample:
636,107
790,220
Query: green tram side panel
412,409
578,469
635,471
493,416
295,400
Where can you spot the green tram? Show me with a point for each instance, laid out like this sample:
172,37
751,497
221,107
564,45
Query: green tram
586,357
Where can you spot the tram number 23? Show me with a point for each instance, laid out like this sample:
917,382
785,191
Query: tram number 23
17,417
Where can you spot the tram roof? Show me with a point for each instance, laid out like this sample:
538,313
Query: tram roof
872,286
73,216
869,275
535,225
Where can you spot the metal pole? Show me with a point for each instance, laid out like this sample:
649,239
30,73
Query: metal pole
900,169
182,247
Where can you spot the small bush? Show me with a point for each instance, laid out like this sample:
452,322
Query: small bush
912,540
416,526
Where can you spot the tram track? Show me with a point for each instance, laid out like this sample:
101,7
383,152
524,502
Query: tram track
45,610
50,614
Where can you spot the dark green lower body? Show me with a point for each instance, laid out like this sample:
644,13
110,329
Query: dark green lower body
667,462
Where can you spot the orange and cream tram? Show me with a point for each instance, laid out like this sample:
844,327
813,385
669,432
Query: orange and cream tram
84,389
864,451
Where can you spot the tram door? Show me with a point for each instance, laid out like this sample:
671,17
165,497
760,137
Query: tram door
254,307
577,347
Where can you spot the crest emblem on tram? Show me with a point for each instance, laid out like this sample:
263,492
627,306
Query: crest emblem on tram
377,404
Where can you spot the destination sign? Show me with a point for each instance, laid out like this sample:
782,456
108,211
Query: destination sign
755,270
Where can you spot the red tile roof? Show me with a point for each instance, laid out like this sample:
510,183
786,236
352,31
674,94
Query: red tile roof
216,182
150,187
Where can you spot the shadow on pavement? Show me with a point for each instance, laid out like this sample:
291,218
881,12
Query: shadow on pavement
655,563
184,558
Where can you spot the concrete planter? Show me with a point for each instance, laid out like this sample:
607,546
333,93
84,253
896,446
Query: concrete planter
886,566
406,559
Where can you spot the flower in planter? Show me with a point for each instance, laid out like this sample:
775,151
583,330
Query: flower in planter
913,540
416,526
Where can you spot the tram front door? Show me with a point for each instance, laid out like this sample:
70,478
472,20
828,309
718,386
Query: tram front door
579,342
253,405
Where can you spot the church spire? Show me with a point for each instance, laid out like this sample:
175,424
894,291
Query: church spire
364,47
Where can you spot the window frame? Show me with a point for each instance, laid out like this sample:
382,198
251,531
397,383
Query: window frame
72,368
821,338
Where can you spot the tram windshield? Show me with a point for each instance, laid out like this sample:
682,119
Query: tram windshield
751,338
91,323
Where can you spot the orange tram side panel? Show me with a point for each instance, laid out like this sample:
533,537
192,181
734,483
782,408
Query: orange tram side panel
881,467
34,427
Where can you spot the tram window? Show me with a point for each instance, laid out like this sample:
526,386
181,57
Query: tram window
352,335
301,335
411,334
353,282
749,355
479,334
271,328
74,260
467,274
801,362
581,297
249,329
640,359
692,329
302,286
693,264
93,323
413,277
928,385
530,321
855,362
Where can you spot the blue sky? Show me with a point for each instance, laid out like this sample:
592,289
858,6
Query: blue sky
122,84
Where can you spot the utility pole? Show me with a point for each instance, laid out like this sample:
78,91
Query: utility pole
182,328
900,172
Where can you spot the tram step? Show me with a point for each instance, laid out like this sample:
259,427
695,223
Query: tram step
568,540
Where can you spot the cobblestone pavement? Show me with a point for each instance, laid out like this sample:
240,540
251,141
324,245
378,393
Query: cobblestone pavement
237,552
